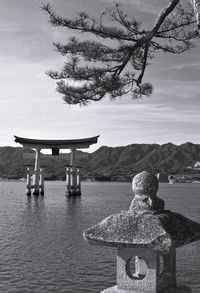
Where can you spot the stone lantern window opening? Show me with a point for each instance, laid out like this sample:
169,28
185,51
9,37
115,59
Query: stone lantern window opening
136,267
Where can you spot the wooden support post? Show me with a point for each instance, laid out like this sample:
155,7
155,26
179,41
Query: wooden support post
41,183
36,190
72,176
73,172
68,179
67,176
73,181
78,187
28,181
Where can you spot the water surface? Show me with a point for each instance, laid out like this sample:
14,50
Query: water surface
41,244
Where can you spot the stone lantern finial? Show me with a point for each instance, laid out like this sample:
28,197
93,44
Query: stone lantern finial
145,183
145,187
146,237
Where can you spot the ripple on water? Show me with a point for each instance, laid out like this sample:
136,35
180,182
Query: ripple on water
41,243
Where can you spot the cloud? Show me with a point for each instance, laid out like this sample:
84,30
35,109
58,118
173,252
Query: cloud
182,72
147,6
31,107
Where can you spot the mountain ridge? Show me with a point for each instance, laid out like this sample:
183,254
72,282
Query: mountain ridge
106,161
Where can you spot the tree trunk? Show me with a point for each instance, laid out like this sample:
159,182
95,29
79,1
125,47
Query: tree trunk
196,7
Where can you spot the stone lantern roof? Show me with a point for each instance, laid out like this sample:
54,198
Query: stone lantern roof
146,224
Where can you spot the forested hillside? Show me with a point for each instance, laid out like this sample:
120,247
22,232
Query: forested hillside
106,162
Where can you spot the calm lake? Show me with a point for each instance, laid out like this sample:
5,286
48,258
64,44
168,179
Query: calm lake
41,244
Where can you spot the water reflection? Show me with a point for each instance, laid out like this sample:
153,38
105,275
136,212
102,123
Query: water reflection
35,208
37,202
73,204
72,200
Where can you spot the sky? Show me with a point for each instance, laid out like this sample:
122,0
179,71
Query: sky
31,107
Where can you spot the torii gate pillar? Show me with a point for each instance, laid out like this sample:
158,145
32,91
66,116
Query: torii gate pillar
73,156
73,182
36,174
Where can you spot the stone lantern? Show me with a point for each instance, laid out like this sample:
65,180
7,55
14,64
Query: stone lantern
146,237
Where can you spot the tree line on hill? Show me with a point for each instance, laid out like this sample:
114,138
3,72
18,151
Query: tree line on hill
106,163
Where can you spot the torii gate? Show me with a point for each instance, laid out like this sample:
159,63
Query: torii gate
72,172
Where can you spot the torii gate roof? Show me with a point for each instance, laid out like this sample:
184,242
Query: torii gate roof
57,143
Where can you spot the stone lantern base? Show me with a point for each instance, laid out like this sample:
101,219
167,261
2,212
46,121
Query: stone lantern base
142,270
181,289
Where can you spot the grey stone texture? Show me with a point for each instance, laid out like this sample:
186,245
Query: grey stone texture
149,234
153,280
154,230
146,223
179,289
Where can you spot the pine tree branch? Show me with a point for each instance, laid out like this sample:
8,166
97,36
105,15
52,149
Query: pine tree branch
164,13
98,70
196,8
85,24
